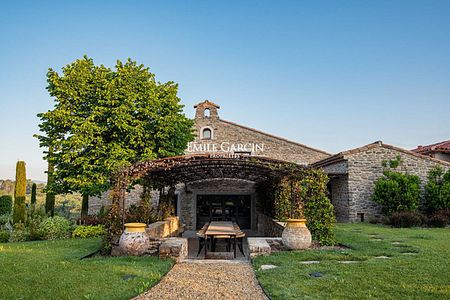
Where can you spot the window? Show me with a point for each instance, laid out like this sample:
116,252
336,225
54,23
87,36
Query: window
206,134
207,113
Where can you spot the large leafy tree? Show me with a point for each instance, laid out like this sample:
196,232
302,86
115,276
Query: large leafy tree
104,119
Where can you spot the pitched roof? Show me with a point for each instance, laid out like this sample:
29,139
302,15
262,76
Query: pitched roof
341,156
438,147
206,103
274,136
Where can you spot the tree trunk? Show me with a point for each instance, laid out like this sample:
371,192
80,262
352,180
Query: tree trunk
85,206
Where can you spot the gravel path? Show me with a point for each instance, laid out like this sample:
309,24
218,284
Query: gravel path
207,280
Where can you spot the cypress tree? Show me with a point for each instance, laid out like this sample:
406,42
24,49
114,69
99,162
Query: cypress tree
85,205
33,194
50,196
19,193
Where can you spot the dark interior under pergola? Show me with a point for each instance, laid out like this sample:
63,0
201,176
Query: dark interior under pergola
285,190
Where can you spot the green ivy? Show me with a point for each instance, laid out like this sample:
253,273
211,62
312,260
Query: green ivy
303,194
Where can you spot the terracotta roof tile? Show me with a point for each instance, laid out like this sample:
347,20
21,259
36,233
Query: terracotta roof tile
438,147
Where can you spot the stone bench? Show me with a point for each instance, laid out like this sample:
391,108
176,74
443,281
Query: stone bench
170,227
176,248
258,246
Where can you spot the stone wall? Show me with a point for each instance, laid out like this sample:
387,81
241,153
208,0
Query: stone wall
170,227
339,197
364,168
133,197
442,156
268,226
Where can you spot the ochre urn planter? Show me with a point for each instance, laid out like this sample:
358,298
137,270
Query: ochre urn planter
134,240
296,235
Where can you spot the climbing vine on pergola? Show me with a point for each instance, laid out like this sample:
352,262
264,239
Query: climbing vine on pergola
168,172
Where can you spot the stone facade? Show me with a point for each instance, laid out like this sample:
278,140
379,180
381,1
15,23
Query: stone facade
352,187
234,139
352,173
230,138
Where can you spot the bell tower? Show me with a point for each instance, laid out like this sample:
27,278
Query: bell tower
206,110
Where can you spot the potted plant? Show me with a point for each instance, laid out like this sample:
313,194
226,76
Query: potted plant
296,235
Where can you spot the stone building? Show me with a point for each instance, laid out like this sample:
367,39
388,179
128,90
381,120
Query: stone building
219,196
353,174
212,192
439,150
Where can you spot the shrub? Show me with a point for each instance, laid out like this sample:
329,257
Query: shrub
89,231
19,233
6,218
142,214
397,192
437,190
54,228
438,219
5,204
34,225
4,236
19,211
405,219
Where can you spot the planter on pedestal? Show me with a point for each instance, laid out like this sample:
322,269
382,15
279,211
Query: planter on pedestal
134,240
296,235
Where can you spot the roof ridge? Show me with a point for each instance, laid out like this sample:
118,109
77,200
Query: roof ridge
274,136
431,146
342,155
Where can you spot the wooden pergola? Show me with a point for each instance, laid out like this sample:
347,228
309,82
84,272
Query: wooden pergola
188,168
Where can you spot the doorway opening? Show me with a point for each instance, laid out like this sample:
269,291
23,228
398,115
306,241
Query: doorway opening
236,208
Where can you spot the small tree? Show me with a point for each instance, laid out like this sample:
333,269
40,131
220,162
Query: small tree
396,191
50,195
33,194
437,190
19,193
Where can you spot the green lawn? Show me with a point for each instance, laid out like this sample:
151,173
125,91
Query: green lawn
423,275
53,270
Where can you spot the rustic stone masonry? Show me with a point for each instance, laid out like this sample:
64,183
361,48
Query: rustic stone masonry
354,172
234,134
268,226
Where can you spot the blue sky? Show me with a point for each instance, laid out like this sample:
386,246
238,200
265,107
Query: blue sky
330,74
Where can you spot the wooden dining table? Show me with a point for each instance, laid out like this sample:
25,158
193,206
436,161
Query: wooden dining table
221,228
